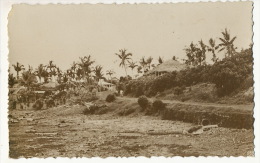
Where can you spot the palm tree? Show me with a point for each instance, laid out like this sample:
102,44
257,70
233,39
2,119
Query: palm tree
201,53
149,61
30,68
143,64
85,63
139,68
110,73
227,44
160,60
124,57
45,75
39,71
11,80
191,53
98,72
132,65
60,74
18,67
51,67
27,79
211,48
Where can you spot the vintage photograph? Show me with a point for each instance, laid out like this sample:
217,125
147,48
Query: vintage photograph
129,80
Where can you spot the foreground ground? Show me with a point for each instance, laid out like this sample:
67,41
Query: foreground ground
65,132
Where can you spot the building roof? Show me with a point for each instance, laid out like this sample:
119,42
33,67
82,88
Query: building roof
168,66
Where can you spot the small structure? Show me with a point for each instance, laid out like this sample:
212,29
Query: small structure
167,66
107,85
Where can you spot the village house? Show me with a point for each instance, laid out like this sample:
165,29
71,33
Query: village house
107,85
165,67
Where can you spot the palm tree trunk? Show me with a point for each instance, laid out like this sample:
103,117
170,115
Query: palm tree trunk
17,75
125,70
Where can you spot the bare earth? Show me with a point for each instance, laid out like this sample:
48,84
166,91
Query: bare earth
66,132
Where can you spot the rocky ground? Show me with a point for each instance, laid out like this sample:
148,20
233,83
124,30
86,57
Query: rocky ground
65,132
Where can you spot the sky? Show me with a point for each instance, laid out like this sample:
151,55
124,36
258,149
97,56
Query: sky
63,33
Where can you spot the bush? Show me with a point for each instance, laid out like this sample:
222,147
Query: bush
38,105
47,93
90,110
101,110
158,105
143,102
110,98
129,111
50,103
178,90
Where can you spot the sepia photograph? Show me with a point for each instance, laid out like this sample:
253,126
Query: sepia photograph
130,80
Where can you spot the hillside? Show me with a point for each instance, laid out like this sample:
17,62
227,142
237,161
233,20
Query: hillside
227,81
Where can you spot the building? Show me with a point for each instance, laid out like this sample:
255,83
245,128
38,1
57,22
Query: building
167,66
107,85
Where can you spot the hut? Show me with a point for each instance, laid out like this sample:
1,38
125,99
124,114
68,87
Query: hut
165,67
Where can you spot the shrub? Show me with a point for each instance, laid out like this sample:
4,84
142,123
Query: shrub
129,111
158,105
110,98
90,110
47,93
178,90
101,110
50,103
143,102
38,105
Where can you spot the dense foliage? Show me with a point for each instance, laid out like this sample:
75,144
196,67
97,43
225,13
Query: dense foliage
38,104
143,102
158,105
110,98
227,75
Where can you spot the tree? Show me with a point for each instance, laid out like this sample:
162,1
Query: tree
40,72
124,56
51,67
98,72
27,79
201,53
143,64
110,73
148,62
196,55
227,44
85,69
160,60
30,69
132,65
211,48
139,68
18,67
191,54
11,80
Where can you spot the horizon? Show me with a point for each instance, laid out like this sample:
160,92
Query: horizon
67,32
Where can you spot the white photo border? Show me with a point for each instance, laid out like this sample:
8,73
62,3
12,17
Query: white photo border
5,7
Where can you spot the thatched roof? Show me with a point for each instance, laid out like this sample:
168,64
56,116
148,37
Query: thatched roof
168,66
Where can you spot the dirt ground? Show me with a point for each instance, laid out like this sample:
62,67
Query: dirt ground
65,132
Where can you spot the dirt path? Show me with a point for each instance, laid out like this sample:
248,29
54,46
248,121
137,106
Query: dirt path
66,132
244,107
